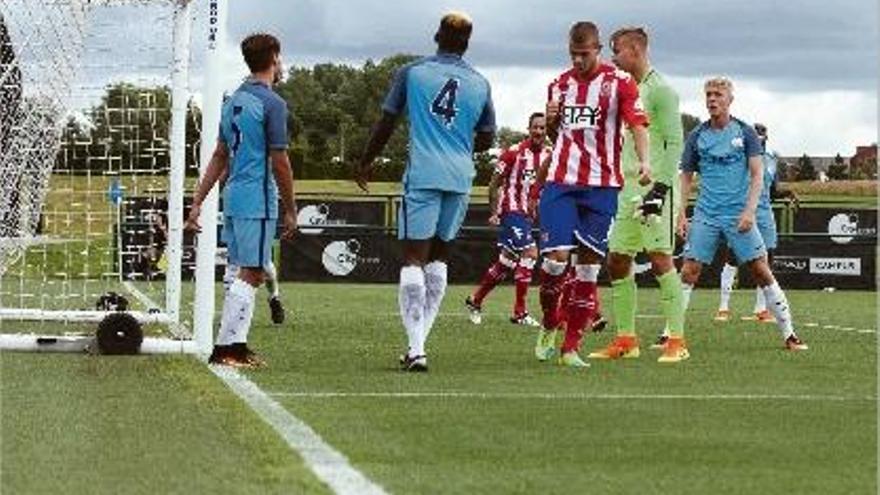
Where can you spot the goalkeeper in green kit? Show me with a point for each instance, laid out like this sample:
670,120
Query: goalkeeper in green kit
646,214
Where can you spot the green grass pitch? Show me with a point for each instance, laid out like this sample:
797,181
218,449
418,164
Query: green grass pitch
741,416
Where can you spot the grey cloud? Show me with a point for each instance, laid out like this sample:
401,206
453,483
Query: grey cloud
807,45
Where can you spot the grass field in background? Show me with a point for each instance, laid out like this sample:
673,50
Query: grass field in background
79,215
741,416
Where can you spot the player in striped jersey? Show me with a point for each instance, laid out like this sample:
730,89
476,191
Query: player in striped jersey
513,178
586,108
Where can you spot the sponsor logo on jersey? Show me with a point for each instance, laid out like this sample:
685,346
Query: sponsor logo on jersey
581,116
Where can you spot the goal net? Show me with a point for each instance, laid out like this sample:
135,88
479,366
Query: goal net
98,141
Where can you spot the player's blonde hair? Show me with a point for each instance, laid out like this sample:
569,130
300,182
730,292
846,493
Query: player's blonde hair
719,82
454,31
456,19
634,34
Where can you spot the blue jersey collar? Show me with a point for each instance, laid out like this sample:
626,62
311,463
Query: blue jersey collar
441,53
255,81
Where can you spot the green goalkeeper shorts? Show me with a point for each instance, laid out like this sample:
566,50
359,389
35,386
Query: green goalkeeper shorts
631,236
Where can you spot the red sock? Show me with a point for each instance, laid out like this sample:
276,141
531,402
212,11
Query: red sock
523,277
551,287
493,276
581,311
565,296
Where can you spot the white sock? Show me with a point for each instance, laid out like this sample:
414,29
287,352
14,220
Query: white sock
686,291
238,310
271,279
728,275
553,267
760,301
777,303
411,299
587,273
435,289
229,276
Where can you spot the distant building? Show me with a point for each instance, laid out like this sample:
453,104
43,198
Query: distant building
865,153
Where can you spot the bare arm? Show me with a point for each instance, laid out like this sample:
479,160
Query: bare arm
483,141
284,178
216,169
538,185
552,112
494,182
640,140
686,180
756,179
379,136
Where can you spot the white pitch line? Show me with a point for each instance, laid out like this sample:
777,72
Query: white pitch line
572,396
326,462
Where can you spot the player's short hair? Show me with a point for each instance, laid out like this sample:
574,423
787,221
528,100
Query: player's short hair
719,82
454,32
761,129
534,116
259,51
637,35
583,31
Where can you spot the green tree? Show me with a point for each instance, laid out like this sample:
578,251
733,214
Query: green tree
805,169
127,132
837,171
508,137
333,108
688,122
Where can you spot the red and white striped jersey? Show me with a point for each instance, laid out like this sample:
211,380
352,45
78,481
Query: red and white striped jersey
518,167
587,148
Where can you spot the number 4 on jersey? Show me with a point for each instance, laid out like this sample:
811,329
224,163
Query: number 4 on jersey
444,103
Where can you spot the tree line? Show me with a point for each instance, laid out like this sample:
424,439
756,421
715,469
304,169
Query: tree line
332,108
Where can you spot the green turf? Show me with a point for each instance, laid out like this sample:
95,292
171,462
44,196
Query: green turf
79,424
803,423
511,444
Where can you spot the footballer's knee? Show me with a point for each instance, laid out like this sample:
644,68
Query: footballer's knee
760,271
690,272
415,253
252,276
439,250
619,265
661,263
559,256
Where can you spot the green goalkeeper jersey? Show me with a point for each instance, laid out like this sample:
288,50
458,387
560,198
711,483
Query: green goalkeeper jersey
666,141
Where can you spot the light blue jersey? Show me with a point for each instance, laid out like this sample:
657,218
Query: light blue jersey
447,102
253,122
721,156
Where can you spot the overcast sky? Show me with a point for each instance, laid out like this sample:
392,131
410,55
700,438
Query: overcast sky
808,69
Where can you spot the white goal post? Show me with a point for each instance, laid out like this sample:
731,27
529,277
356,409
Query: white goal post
99,142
